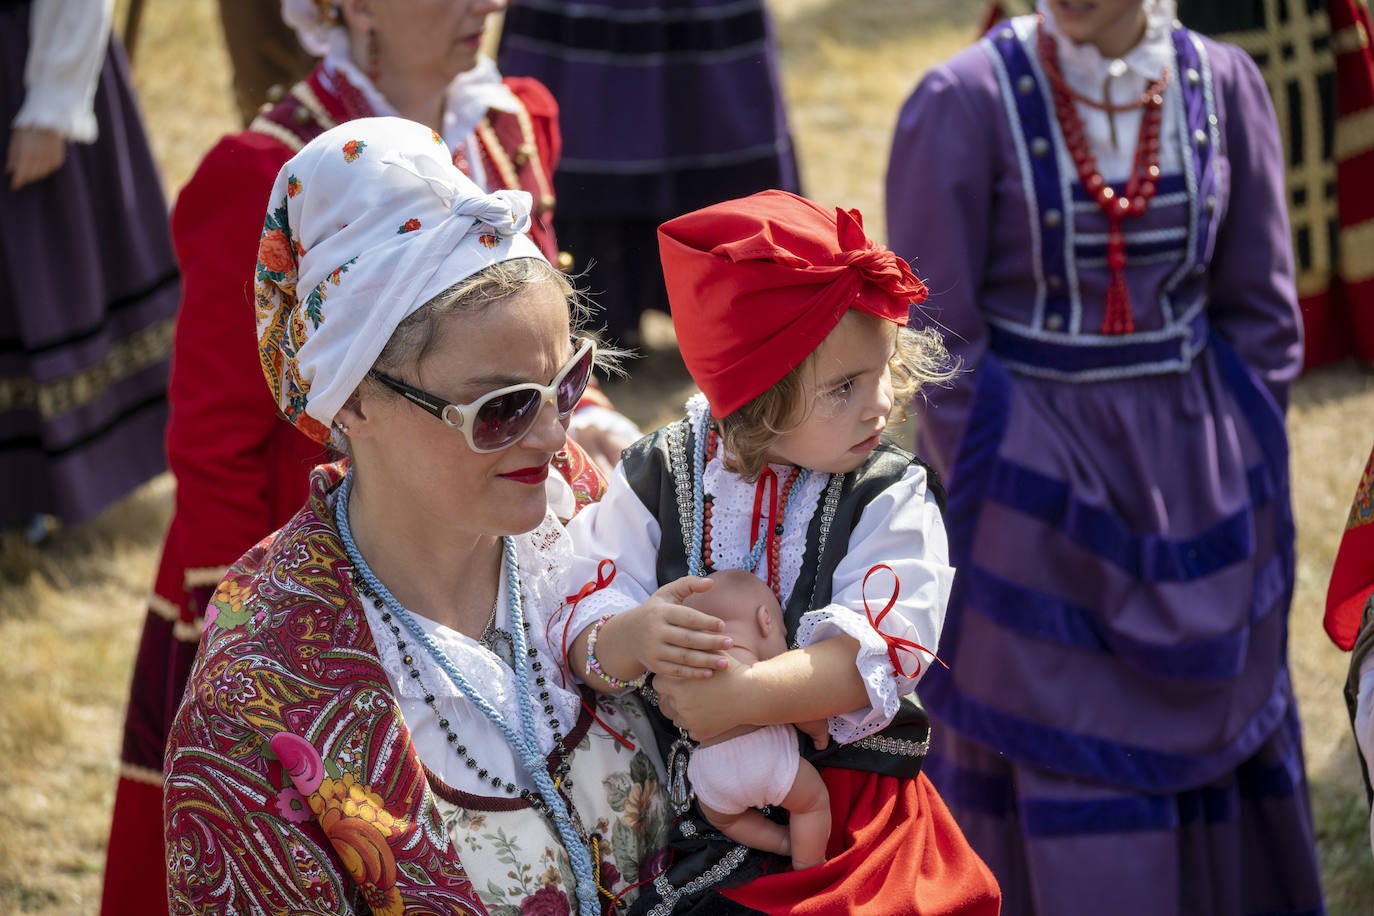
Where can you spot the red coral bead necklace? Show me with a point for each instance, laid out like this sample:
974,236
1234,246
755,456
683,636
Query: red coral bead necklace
1130,201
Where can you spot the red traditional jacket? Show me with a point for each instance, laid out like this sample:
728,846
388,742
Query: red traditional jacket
292,783
1352,577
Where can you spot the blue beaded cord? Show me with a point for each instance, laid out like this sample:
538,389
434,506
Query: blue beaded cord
695,566
524,741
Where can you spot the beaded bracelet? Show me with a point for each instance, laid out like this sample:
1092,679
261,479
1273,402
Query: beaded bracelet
594,667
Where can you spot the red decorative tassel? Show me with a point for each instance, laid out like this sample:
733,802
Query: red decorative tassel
1118,317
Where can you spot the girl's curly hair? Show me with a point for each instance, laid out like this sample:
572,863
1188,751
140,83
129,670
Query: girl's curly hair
747,434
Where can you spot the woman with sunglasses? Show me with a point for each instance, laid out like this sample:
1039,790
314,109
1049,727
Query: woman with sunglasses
415,58
377,717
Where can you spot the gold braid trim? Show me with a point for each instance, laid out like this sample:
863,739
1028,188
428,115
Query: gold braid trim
204,575
138,351
162,607
505,168
310,103
146,775
1351,38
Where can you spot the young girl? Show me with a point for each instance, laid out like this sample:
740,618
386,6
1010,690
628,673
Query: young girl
790,320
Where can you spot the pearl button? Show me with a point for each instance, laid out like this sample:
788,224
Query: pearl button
1054,281
1054,322
1200,137
1053,218
1193,77
1025,85
1039,147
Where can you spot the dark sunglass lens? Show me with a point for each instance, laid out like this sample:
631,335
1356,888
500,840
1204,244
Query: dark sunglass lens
570,390
504,419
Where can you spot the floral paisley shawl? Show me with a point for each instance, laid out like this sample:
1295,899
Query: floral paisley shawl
293,785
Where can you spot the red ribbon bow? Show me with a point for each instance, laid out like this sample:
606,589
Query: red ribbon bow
879,265
895,644
592,586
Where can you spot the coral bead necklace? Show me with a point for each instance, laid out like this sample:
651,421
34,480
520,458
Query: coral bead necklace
1131,200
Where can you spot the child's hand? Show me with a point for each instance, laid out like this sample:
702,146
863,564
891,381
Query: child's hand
708,708
670,639
818,730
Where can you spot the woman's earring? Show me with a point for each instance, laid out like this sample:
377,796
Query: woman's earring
342,427
373,56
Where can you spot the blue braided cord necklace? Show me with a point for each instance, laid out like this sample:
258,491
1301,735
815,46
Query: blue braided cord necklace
695,551
524,741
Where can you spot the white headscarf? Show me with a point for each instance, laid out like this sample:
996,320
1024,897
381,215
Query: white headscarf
366,224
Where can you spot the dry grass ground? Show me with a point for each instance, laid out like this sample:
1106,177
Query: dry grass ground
71,610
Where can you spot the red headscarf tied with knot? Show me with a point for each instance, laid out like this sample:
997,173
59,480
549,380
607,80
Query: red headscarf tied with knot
756,284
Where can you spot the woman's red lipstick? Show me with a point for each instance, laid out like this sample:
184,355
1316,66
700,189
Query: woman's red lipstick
530,475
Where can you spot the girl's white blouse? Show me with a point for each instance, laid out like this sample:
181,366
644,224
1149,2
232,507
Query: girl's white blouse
901,528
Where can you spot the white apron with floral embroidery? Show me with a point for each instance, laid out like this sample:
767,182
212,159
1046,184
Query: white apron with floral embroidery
515,859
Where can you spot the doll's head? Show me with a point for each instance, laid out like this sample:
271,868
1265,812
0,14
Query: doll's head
749,609
793,323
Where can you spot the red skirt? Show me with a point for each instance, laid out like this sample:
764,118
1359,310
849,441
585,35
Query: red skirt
895,850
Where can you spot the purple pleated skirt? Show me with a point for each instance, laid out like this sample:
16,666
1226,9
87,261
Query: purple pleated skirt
88,294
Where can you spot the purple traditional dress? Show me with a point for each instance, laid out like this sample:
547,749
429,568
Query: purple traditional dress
667,106
88,283
1116,732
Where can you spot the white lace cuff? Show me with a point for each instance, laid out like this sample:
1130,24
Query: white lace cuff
588,611
883,685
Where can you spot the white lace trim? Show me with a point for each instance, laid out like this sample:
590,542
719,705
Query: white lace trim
732,511
885,687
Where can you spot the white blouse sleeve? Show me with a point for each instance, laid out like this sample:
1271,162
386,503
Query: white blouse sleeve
903,530
618,528
67,42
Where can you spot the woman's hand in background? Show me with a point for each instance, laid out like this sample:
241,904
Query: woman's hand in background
34,154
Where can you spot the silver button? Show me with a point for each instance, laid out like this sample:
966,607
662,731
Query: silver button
1193,77
1200,137
1054,322
1053,218
1212,120
1025,85
1039,147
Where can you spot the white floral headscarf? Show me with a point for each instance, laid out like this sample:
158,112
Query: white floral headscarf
366,224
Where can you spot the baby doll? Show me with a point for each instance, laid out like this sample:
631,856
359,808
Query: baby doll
748,767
